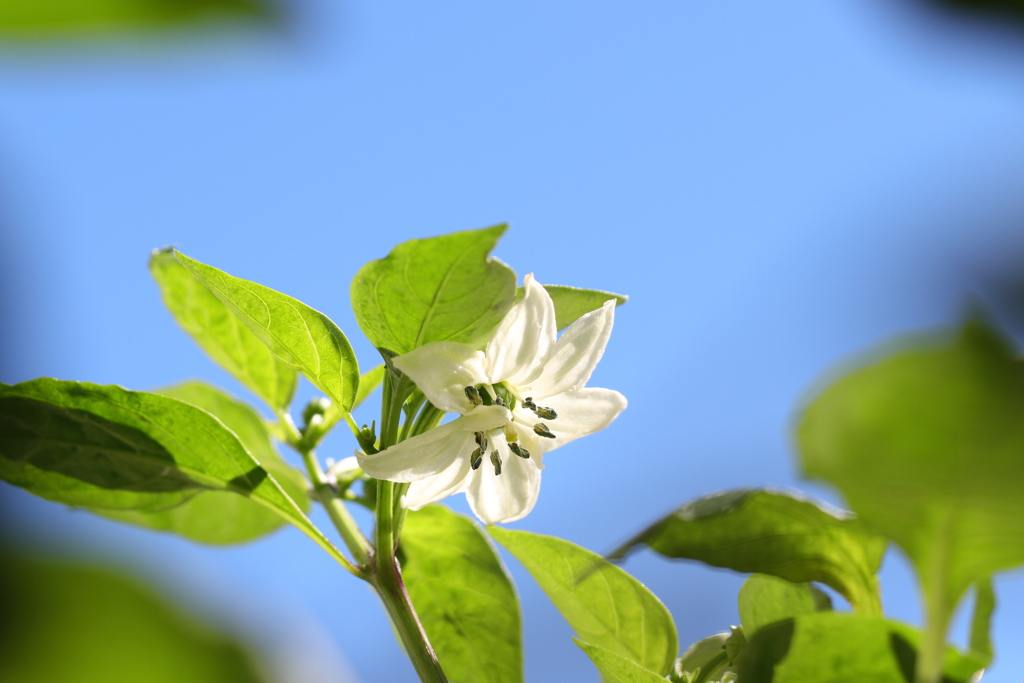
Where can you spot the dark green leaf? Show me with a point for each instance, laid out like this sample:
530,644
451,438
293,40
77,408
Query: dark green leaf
926,446
464,597
221,516
221,333
769,532
616,668
572,302
107,447
69,623
765,599
604,605
297,334
839,647
981,620
437,289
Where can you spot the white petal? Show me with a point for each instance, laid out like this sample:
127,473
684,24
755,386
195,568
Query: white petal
421,456
441,485
508,496
442,371
580,413
576,354
525,337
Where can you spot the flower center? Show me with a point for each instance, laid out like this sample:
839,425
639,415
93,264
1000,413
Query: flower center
508,397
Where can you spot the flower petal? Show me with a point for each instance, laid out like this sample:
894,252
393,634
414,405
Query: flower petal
442,371
421,456
508,496
518,348
580,412
432,489
576,354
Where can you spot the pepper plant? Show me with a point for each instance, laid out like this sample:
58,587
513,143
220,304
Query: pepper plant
925,443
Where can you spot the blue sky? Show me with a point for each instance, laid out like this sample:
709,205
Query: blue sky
777,188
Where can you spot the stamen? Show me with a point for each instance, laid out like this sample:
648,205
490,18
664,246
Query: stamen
481,441
528,403
546,413
519,450
475,459
496,461
473,395
498,401
541,429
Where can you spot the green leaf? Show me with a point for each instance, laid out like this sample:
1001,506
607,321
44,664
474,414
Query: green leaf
840,647
981,620
221,334
571,303
71,623
34,19
926,446
765,599
604,605
616,668
464,597
710,650
222,517
368,381
769,532
436,289
107,447
297,334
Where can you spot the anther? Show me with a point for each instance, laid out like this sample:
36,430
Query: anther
528,403
546,413
475,459
481,440
496,461
473,395
519,450
541,429
498,401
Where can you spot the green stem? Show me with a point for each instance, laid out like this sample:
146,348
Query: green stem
349,531
937,606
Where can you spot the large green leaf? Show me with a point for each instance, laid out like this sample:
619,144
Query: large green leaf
927,445
222,517
221,333
437,289
572,302
765,599
769,532
297,334
107,447
616,668
604,605
839,647
464,597
38,18
71,623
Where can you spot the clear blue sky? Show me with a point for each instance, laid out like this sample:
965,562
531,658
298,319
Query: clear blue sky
776,186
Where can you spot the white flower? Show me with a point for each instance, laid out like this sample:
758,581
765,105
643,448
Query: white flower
495,452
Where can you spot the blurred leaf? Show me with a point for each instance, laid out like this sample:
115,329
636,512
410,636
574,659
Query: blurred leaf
221,334
616,668
755,530
437,289
38,18
369,381
765,599
604,605
702,653
297,334
66,623
221,516
464,597
840,647
572,302
104,446
927,446
981,620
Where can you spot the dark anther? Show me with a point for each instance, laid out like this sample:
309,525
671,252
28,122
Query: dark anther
528,403
496,461
481,440
498,401
473,395
519,450
546,413
541,429
476,459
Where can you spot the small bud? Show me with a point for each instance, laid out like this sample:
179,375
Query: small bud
519,450
481,440
473,395
316,406
475,459
541,429
496,461
368,438
528,403
546,413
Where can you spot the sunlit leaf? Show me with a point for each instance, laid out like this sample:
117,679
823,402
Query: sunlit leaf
604,605
297,334
437,289
769,532
464,597
572,303
221,333
616,668
765,599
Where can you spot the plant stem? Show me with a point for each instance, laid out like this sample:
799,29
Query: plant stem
937,607
349,531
